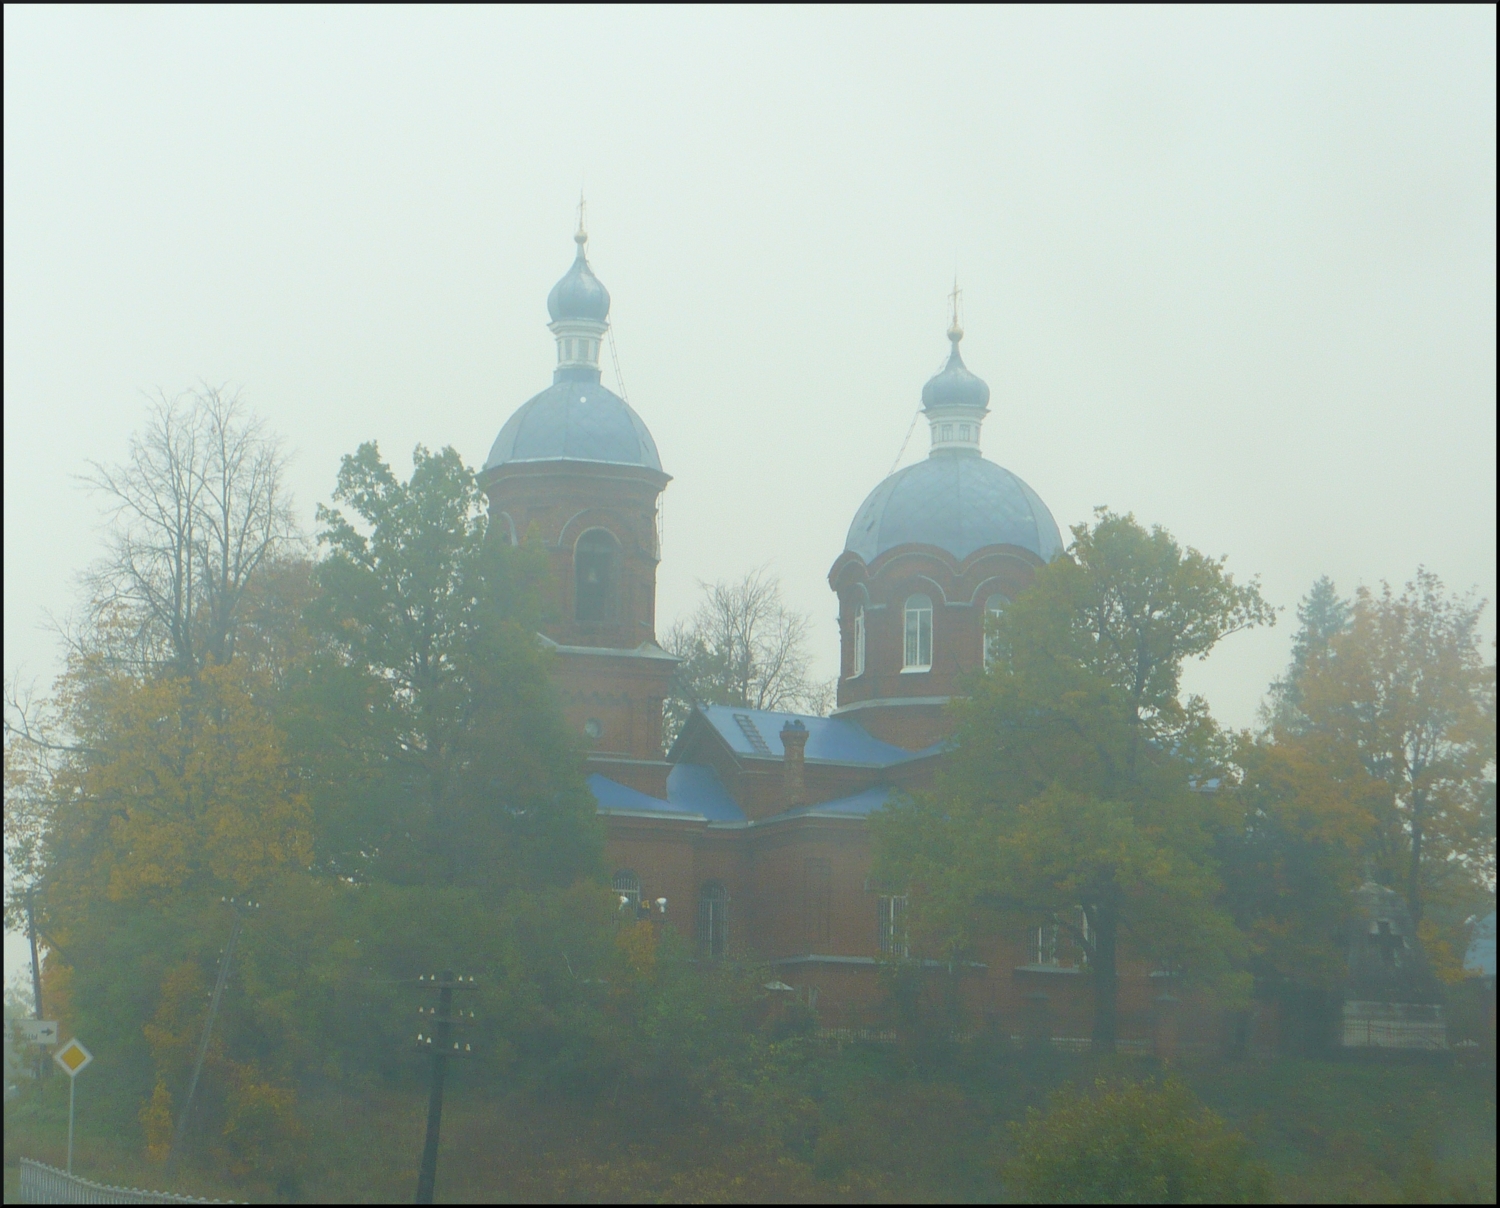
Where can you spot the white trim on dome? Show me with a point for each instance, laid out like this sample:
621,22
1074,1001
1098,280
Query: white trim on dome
578,342
955,427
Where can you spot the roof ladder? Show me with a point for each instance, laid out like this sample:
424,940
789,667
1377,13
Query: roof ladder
746,724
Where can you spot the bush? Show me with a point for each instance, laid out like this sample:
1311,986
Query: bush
1139,1143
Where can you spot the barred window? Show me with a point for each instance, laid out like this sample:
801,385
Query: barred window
1060,947
918,634
817,902
993,607
713,920
891,924
627,885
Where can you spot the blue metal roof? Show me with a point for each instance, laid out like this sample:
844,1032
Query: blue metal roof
859,805
694,791
957,501
756,734
575,419
612,795
697,786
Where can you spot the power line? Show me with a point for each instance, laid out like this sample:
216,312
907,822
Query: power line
442,1046
174,1155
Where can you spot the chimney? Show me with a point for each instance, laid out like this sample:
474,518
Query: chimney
793,743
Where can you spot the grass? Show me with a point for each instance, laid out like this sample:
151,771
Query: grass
1329,1131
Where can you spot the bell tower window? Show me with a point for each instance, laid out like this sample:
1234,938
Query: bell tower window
918,644
859,642
596,577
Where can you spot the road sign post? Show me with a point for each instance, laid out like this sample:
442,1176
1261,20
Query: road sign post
73,1057
42,1032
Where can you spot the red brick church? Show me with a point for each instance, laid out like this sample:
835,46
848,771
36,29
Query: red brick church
753,825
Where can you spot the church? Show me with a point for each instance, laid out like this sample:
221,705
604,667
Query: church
750,833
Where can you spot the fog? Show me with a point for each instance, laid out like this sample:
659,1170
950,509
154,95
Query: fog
1230,270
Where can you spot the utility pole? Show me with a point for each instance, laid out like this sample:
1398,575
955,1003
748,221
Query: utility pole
442,1046
174,1155
36,976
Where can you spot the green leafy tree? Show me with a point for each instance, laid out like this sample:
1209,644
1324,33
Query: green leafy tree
428,719
1136,1144
1073,782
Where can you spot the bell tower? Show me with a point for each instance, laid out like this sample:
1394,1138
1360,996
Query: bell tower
576,469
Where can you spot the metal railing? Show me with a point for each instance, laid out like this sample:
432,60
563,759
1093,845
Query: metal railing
42,1184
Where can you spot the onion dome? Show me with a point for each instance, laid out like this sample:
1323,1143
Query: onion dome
575,420
959,503
580,294
955,500
955,386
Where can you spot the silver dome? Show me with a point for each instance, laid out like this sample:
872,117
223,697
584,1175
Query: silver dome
579,294
575,419
958,502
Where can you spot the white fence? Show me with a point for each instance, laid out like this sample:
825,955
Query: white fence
47,1185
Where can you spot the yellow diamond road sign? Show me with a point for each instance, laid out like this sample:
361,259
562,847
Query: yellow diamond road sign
72,1057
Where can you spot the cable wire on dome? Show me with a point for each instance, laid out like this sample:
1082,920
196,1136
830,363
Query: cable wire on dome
615,358
915,415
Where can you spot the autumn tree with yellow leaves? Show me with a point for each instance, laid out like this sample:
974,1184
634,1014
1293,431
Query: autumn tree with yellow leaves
154,782
1393,686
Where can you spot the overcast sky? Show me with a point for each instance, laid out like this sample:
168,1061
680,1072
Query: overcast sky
1232,270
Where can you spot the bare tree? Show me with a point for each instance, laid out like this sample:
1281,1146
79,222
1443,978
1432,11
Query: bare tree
743,646
197,509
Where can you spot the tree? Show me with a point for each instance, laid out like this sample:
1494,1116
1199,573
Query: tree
171,793
1294,850
743,646
1136,1144
1405,690
198,508
178,786
428,720
1323,614
1080,780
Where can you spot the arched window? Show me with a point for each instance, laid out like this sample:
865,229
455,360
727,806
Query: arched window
628,886
918,634
596,576
859,640
993,607
713,920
